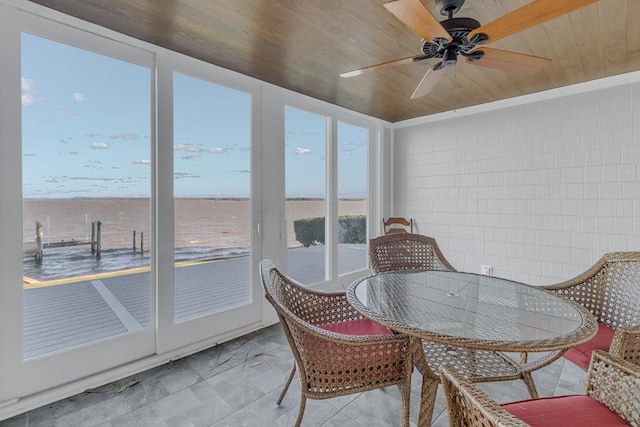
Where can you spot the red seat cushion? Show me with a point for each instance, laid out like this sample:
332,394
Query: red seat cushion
581,354
565,411
357,327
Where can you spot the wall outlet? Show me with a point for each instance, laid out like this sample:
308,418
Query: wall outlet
487,270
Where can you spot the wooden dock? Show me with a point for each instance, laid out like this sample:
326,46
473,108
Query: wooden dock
79,311
95,241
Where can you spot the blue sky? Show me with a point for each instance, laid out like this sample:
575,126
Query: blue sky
86,133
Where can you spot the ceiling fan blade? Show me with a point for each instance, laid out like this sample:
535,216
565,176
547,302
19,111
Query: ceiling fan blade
393,63
527,16
510,61
428,82
418,18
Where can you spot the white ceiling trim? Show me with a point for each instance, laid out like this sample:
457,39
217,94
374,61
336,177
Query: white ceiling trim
578,88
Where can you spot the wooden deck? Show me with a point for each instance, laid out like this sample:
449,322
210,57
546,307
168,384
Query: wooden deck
71,314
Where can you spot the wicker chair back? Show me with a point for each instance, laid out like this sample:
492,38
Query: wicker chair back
397,225
406,251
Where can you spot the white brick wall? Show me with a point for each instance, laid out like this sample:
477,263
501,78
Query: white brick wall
539,191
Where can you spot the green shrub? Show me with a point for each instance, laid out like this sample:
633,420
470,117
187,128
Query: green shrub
309,231
351,229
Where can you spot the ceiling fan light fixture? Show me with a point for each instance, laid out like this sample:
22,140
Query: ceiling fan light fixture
450,57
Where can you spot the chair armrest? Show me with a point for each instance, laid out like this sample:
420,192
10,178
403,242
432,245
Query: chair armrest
616,384
595,273
626,344
316,334
318,301
469,406
608,289
584,289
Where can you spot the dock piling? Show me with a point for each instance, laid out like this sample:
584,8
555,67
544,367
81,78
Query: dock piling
38,242
98,238
141,242
93,237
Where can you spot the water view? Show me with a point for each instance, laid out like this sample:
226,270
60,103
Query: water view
216,229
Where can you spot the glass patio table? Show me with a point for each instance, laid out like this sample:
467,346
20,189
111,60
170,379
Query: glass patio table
470,321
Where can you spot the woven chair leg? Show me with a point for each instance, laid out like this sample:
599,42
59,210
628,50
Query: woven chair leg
427,401
405,392
531,386
303,402
287,384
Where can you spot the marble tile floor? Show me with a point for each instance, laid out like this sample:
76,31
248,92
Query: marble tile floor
238,383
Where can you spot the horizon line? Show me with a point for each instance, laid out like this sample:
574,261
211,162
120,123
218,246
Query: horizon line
191,198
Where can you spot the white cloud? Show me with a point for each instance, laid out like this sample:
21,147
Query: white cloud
192,148
141,162
100,146
217,150
77,96
178,175
28,92
27,84
301,151
197,148
125,136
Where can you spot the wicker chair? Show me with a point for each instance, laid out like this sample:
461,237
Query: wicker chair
336,350
613,386
610,290
397,225
406,251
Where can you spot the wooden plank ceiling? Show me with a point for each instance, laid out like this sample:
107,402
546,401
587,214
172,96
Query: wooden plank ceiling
304,45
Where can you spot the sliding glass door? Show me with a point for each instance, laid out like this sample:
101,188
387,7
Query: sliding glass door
206,163
135,239
83,175
86,186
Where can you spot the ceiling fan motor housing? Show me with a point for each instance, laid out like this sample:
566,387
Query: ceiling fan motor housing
459,29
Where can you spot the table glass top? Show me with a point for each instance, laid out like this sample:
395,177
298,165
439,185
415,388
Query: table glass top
464,305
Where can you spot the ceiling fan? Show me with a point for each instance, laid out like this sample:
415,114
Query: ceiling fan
465,37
